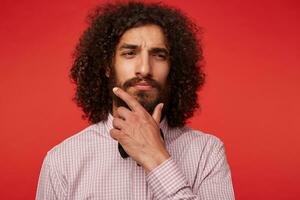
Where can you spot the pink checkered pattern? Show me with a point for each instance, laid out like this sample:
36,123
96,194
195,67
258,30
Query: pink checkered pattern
88,166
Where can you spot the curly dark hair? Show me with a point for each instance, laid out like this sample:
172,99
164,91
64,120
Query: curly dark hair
95,51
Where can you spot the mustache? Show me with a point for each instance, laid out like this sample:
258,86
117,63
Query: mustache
135,80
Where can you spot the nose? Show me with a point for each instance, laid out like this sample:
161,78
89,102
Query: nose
143,67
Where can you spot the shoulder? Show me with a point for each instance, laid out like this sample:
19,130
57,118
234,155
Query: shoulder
199,138
186,141
77,145
210,147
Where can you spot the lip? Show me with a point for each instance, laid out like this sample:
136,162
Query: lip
143,86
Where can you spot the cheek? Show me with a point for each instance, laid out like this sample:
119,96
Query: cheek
123,70
162,73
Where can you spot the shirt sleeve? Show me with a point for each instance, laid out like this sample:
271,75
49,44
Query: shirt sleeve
50,186
167,181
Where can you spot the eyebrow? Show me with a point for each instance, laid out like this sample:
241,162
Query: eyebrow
128,46
152,50
159,50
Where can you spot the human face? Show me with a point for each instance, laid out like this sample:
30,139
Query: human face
141,66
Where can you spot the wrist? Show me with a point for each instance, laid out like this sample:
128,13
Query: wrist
155,160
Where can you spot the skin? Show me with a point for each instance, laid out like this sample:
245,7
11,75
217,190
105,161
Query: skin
142,52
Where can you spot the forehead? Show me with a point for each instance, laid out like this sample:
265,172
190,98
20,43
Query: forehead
147,35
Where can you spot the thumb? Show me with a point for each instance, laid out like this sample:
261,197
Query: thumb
157,112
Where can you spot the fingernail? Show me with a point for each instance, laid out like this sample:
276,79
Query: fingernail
161,106
115,89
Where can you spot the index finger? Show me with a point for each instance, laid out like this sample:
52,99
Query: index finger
133,104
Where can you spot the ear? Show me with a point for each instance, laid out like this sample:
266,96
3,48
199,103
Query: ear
107,72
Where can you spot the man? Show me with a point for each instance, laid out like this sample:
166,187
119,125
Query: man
137,69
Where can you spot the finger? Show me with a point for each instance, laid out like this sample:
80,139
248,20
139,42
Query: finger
118,123
157,112
133,104
123,113
116,134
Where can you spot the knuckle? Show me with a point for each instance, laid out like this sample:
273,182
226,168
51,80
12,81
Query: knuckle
112,132
145,115
119,109
135,104
115,122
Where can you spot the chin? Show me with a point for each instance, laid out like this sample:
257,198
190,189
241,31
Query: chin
147,98
148,101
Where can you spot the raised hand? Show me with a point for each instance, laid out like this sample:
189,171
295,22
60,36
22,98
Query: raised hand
138,132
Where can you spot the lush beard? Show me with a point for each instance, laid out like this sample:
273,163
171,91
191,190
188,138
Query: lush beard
148,99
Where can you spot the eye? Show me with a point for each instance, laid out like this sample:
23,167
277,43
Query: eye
128,54
160,56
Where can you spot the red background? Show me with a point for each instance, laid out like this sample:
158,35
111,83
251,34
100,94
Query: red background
250,101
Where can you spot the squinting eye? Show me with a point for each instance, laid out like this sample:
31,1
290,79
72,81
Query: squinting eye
161,56
128,54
